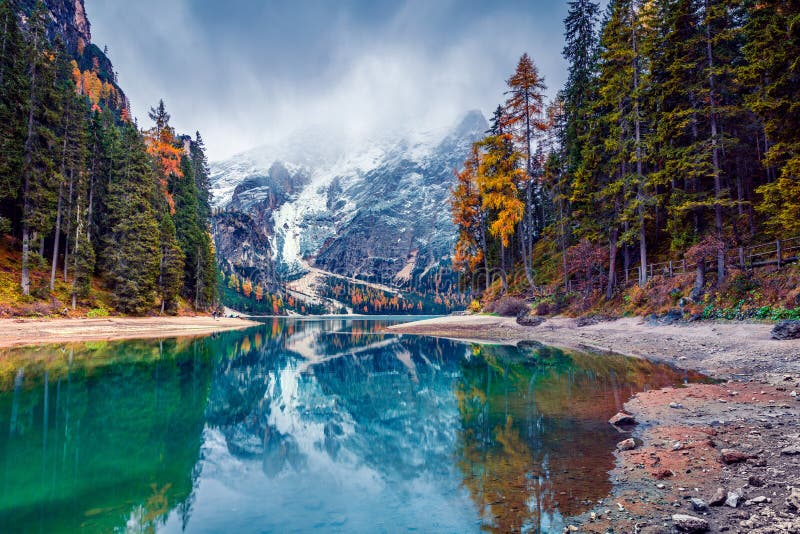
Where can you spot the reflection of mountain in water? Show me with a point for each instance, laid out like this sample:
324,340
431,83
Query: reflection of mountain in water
294,426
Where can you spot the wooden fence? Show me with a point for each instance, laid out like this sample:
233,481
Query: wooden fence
778,253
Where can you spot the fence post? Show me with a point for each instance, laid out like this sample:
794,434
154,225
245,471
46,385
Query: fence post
683,265
741,259
670,268
778,248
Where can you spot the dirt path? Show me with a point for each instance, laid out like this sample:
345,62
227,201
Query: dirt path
685,436
15,332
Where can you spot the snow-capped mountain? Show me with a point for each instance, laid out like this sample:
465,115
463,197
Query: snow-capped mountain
378,211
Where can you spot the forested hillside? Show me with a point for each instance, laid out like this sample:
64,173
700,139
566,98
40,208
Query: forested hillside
675,140
97,214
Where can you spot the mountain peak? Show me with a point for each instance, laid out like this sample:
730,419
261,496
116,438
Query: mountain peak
472,122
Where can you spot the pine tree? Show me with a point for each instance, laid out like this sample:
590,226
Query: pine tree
772,72
131,252
37,194
13,85
498,175
524,117
470,218
170,271
580,51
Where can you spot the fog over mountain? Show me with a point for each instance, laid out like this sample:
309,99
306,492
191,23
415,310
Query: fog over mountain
249,73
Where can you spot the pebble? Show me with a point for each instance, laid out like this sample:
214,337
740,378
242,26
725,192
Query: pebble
733,499
675,405
791,450
718,498
698,505
756,500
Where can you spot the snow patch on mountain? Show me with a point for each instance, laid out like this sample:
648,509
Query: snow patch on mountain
353,209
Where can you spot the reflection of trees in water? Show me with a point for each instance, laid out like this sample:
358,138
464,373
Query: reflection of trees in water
534,443
101,436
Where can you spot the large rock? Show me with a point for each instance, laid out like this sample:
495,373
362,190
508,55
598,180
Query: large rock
791,450
733,499
698,505
526,319
718,499
622,419
786,330
731,456
689,523
793,500
627,444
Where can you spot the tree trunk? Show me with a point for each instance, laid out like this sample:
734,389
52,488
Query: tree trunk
68,231
485,252
639,169
25,281
75,255
715,153
700,278
56,237
612,263
564,247
525,255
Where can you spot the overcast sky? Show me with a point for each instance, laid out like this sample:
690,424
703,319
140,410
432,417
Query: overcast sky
249,72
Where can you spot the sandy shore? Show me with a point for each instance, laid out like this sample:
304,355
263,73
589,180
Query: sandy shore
15,332
721,350
684,436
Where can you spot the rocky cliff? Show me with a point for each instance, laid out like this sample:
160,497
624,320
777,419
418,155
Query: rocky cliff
68,23
67,20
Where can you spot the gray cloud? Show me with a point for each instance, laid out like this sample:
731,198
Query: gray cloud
246,73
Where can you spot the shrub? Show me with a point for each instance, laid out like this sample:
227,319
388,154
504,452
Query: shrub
97,312
37,309
543,308
510,306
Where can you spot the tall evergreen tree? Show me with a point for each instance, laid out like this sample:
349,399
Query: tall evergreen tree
37,195
524,117
772,72
131,249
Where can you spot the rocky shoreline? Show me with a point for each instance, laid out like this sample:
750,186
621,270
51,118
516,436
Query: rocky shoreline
721,457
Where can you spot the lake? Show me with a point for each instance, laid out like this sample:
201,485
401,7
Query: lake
301,425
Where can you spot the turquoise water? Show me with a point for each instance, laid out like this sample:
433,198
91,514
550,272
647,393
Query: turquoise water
296,426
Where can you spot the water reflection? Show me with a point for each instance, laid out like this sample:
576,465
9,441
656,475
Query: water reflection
297,425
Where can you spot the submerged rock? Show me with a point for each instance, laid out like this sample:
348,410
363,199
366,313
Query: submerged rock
622,419
689,523
789,329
